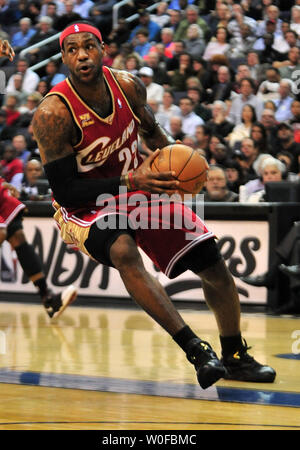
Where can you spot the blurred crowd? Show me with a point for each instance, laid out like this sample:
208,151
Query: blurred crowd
221,76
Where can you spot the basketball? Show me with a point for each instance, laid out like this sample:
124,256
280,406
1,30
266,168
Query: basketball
188,164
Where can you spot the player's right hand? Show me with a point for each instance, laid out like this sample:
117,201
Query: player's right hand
145,180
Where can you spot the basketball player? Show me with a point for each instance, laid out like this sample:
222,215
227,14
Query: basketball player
87,129
11,229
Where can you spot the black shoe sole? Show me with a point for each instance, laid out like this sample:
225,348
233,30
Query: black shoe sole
209,374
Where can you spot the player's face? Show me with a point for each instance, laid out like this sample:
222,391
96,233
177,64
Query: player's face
83,54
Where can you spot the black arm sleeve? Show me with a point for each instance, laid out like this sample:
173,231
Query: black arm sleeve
70,190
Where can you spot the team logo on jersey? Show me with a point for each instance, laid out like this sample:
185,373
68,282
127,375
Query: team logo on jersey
119,103
86,120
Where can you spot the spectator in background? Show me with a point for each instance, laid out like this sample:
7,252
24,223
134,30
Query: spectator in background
59,10
154,90
284,102
167,106
192,17
272,170
238,17
160,17
259,135
222,89
219,124
133,64
11,109
285,136
194,42
241,45
67,17
248,154
30,78
52,73
142,44
295,19
174,127
44,31
269,122
195,93
82,8
159,73
18,87
218,17
189,118
216,186
243,129
295,120
174,19
111,52
159,117
21,38
289,66
32,187
145,22
120,34
12,167
246,96
180,75
203,135
20,144
234,175
218,45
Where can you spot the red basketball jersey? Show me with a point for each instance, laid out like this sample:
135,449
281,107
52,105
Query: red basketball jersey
108,146
9,206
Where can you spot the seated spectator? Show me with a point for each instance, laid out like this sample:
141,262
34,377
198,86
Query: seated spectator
256,70
203,135
218,45
289,66
167,106
247,96
284,102
259,135
30,78
200,71
218,151
246,157
272,170
283,43
126,49
237,18
53,76
59,10
272,13
11,109
241,45
159,117
288,160
285,136
192,16
17,87
295,120
154,90
145,22
194,42
142,46
256,184
67,17
160,17
172,64
20,144
159,72
120,34
222,89
218,17
174,127
195,93
189,118
32,186
234,174
82,8
12,167
43,87
242,130
21,38
44,31
269,88
132,64
269,122
190,140
178,79
219,124
216,186
295,19
175,17
28,109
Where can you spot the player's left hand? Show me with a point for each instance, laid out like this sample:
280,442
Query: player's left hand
13,191
6,50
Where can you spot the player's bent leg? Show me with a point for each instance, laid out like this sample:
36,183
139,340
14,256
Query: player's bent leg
222,297
31,264
151,296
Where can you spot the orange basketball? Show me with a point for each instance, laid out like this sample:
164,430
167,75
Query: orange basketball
188,164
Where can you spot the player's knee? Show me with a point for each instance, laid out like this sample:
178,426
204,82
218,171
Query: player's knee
17,239
218,274
124,252
2,235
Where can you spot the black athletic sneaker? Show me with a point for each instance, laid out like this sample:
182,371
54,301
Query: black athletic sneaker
55,304
243,367
208,367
